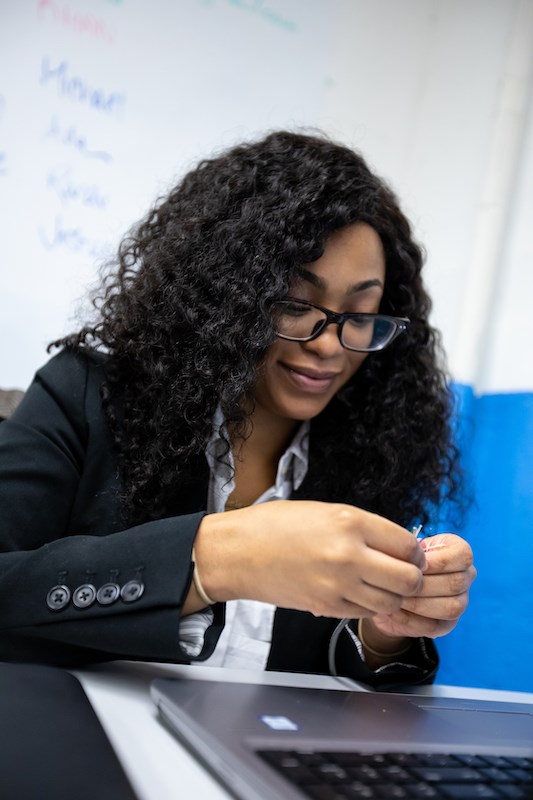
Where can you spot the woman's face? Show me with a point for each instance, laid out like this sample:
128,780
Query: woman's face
298,379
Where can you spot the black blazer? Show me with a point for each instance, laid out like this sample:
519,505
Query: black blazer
77,585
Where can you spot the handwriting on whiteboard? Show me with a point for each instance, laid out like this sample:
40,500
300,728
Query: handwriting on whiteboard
62,181
265,11
72,238
80,22
77,183
77,89
69,136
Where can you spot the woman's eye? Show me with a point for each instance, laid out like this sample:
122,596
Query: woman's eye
295,309
361,322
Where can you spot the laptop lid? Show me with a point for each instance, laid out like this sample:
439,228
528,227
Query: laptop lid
53,746
228,725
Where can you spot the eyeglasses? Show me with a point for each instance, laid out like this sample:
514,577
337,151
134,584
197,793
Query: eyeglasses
300,321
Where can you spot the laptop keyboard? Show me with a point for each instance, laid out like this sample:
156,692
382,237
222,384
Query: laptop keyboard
347,776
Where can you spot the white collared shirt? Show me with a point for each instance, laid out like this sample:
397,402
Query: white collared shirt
247,635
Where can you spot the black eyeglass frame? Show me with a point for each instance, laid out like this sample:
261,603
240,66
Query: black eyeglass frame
333,317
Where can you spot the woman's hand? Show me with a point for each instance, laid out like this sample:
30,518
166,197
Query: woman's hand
435,608
327,558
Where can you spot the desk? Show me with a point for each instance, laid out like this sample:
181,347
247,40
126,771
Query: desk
158,767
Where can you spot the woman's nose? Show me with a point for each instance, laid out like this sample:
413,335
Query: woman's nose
327,344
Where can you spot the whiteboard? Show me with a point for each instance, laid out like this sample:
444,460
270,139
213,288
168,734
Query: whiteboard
103,105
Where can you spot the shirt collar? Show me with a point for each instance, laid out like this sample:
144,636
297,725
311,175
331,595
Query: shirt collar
294,462
297,455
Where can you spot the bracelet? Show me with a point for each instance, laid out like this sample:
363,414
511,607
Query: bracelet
377,652
198,584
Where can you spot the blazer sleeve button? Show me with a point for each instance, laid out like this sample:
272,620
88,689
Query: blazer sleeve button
58,597
108,593
131,591
84,596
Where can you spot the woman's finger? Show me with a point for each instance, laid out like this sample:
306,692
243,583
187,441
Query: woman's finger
446,584
377,601
386,537
443,608
446,552
389,574
405,623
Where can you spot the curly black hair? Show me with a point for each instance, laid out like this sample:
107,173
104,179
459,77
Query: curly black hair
184,314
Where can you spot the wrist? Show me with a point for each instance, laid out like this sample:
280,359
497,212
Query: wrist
198,584
215,553
378,647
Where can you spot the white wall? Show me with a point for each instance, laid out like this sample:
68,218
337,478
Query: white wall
509,329
437,93
432,91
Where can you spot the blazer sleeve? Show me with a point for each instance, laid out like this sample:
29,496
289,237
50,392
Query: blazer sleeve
76,584
417,666
302,642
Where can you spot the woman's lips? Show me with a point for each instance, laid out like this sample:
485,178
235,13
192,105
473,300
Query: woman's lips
309,380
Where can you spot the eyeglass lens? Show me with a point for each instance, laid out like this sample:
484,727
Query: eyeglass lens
300,321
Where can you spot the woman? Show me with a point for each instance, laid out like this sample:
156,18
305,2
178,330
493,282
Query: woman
263,336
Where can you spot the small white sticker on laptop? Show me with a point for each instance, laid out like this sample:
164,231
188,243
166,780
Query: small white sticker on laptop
278,723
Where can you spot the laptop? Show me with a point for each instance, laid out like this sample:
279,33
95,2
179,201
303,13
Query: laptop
52,745
290,743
